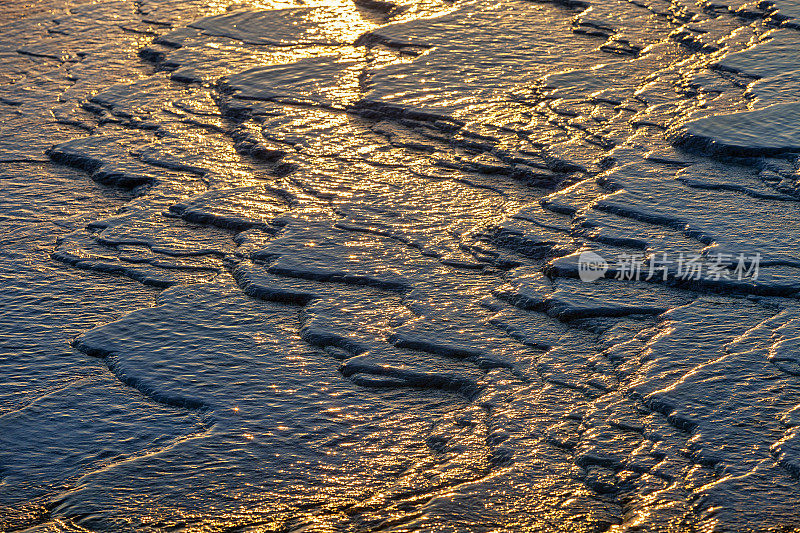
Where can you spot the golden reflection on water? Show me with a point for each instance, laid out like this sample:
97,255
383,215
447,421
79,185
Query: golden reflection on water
345,23
339,20
342,22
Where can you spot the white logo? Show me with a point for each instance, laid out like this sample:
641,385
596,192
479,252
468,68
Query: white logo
591,266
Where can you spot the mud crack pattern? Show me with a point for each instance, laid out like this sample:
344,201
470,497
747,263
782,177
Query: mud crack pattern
313,266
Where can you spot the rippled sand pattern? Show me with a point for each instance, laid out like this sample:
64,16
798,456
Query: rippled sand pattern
321,266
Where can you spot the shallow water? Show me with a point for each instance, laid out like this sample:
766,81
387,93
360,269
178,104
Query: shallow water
321,266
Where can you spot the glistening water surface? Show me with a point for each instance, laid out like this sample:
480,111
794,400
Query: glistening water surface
321,266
